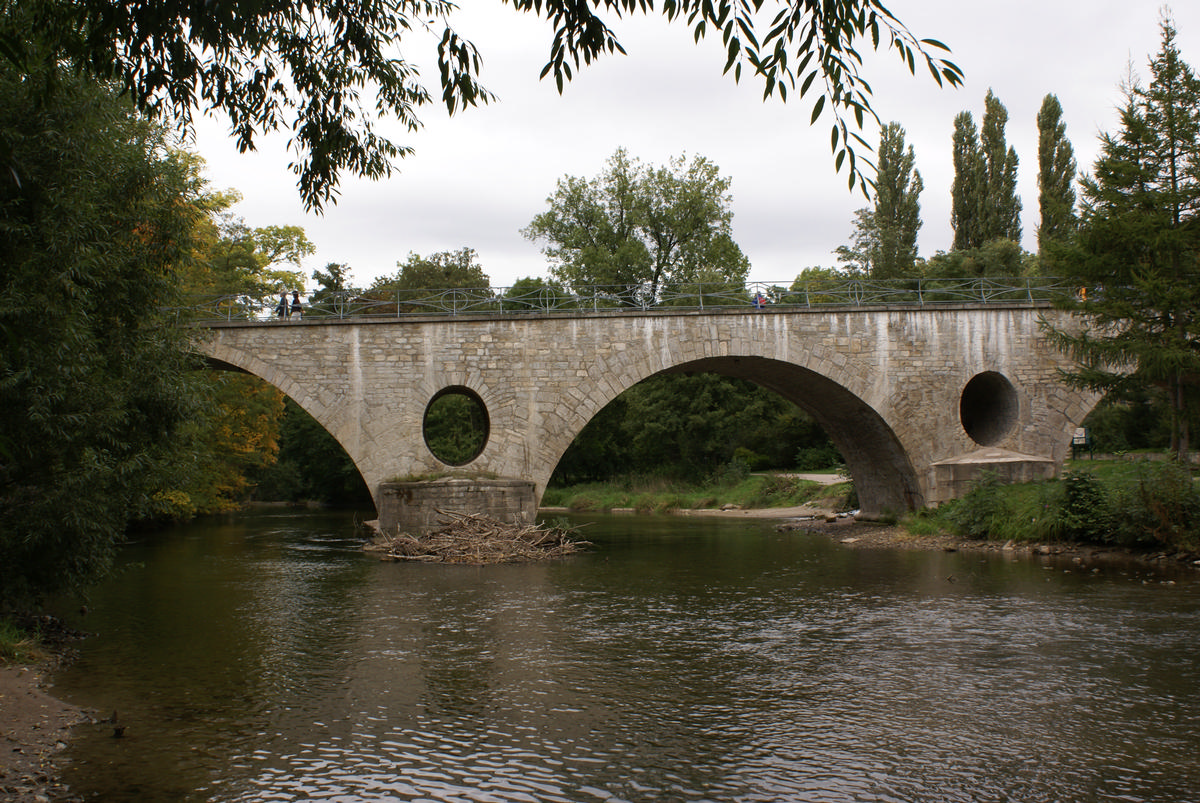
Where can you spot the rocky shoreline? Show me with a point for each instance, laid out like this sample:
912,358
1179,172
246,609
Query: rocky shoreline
36,728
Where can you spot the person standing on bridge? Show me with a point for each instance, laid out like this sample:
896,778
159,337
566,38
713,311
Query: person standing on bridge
297,308
281,309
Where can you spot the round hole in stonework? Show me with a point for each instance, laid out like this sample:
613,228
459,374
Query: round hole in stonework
456,425
988,408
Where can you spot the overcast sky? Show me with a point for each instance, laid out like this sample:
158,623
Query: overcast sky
478,178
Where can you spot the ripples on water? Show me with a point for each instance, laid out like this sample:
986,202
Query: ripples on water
266,659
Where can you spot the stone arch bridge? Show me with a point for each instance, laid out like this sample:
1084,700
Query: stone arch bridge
917,399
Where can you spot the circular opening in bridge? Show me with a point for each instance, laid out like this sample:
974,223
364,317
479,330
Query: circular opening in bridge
456,425
988,408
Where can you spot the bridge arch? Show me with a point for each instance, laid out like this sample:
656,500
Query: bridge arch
882,472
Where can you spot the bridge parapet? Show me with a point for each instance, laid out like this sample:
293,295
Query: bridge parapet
814,293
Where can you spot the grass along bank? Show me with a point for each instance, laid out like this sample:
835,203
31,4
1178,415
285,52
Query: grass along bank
737,489
1132,501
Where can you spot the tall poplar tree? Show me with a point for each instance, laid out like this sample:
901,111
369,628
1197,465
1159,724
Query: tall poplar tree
1056,175
965,194
985,202
897,206
1000,210
1138,247
885,238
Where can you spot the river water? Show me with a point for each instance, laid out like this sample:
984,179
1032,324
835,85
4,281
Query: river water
263,657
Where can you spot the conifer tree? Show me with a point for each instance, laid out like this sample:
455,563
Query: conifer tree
1137,254
1056,175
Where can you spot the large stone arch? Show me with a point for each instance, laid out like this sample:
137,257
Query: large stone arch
882,472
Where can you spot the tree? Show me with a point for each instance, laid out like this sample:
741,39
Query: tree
638,229
334,290
535,293
326,71
1056,175
419,276
1000,208
95,387
312,465
686,427
967,190
897,206
985,202
885,240
440,271
993,258
1138,245
259,262
860,255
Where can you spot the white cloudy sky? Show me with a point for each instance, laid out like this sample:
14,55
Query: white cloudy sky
478,178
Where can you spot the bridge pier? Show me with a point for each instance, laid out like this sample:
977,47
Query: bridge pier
415,507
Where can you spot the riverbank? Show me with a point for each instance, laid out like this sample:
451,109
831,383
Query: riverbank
36,727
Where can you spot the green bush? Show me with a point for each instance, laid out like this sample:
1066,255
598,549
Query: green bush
983,511
732,473
816,458
754,460
1085,511
1161,508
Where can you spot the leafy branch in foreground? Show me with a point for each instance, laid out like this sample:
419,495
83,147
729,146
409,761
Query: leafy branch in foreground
327,71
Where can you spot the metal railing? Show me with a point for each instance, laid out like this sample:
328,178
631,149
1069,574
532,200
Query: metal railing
593,298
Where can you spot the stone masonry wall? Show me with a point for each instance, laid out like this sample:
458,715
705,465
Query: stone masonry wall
413,507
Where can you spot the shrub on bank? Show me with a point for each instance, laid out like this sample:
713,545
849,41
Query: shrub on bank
1161,508
1149,504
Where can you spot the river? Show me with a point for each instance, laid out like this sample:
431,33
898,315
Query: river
263,657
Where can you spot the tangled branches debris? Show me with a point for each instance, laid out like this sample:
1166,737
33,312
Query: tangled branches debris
477,539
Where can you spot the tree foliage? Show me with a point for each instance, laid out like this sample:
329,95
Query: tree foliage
985,202
686,427
1137,250
234,259
1056,175
885,239
966,191
638,229
311,465
95,393
327,71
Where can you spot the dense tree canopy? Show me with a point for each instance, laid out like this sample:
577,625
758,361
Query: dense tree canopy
234,259
1137,254
637,228
95,393
326,71
440,271
688,427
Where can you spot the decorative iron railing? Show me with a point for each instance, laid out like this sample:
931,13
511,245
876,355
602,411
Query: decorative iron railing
697,296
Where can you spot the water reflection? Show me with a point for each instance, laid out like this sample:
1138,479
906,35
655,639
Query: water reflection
265,658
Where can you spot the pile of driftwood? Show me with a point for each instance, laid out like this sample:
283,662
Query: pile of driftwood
477,539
